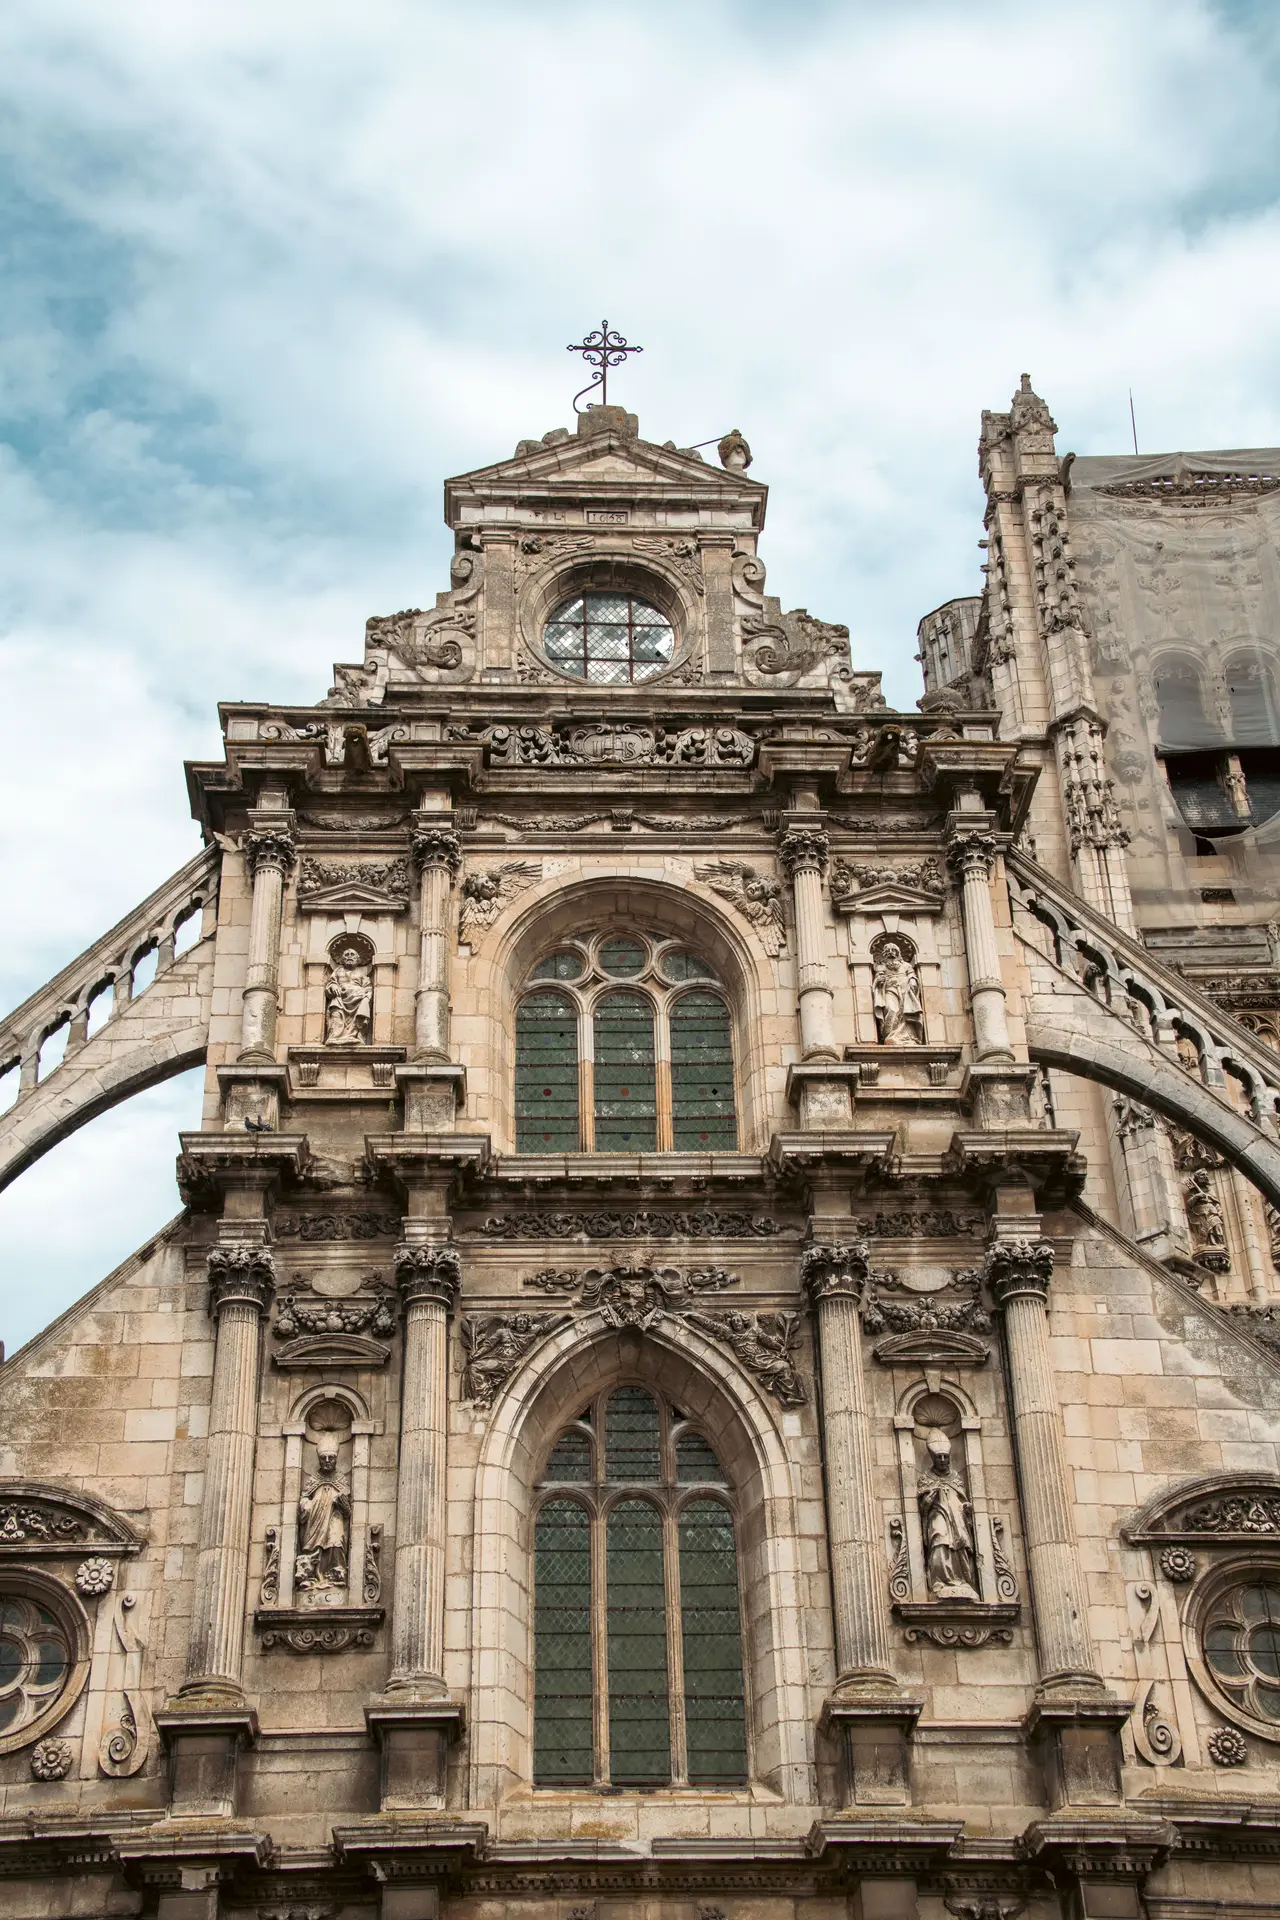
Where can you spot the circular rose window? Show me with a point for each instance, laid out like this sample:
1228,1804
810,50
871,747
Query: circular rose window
1242,1648
42,1661
613,638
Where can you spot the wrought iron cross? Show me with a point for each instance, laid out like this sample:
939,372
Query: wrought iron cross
601,349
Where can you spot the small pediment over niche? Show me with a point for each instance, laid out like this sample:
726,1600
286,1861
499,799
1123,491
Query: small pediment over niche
931,1347
353,886
39,1519
887,899
863,887
332,1350
1228,1509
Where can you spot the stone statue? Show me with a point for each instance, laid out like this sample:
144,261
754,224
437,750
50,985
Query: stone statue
324,1526
1204,1212
895,996
946,1523
348,1000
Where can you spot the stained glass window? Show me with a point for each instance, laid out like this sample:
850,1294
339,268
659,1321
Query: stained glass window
626,1086
562,1715
547,1075
591,1057
667,1623
714,1708
631,1437
639,1723
702,1113
609,637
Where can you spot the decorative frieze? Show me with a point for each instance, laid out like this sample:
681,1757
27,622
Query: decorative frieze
324,1227
700,1223
614,745
353,886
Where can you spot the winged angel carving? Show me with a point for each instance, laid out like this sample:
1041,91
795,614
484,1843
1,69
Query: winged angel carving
486,894
756,897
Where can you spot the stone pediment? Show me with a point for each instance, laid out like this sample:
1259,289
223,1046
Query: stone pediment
39,1519
597,461
890,898
1224,1509
353,886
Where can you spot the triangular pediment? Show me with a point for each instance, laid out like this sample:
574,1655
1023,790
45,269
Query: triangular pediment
887,898
602,460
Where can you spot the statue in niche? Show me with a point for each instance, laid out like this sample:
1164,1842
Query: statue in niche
895,998
946,1524
1204,1212
324,1525
348,999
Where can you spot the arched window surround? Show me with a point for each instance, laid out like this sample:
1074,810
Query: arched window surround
554,911
781,1634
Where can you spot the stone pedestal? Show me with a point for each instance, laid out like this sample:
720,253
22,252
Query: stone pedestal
413,1741
204,1747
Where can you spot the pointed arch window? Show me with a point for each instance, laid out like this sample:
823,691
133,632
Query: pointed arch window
624,1044
638,1678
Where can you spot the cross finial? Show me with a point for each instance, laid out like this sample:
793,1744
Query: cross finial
601,349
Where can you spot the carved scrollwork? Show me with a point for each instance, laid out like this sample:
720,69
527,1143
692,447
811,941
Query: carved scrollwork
698,1223
126,1746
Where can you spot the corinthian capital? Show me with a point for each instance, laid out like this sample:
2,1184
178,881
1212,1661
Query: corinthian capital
428,1273
269,846
827,1270
1016,1267
436,844
804,850
241,1275
972,852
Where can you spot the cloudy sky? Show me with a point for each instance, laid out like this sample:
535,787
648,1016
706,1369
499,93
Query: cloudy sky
271,270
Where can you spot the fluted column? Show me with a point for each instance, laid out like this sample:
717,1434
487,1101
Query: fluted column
268,848
241,1282
428,1279
803,851
437,852
835,1277
1019,1271
971,855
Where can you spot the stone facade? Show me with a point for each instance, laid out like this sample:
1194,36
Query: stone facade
669,1121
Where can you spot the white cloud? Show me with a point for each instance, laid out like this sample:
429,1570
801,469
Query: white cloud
271,272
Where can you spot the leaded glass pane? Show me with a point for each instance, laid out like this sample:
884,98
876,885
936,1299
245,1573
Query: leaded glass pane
562,1713
625,1082
702,1113
681,966
547,1075
570,1459
609,637
559,966
639,1719
711,1631
621,958
696,1460
631,1448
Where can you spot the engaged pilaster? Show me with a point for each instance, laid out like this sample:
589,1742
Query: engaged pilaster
432,1083
241,1283
1074,1715
867,1706
971,855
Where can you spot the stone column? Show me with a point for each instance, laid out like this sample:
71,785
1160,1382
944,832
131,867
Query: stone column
437,853
269,852
241,1282
835,1277
428,1278
803,851
1018,1271
971,855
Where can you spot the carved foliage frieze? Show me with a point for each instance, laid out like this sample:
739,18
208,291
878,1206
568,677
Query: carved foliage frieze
337,886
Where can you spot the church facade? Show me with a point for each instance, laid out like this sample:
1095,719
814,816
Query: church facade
721,1355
